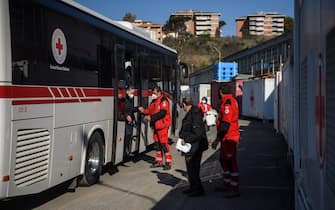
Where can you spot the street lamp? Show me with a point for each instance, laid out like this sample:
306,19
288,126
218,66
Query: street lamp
218,51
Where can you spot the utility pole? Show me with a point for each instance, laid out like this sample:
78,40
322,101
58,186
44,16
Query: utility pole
218,51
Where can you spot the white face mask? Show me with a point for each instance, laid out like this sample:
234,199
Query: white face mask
131,95
153,96
204,102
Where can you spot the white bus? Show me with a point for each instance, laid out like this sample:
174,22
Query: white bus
63,70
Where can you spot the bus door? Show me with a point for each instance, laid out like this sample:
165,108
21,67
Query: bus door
119,104
145,132
146,84
132,78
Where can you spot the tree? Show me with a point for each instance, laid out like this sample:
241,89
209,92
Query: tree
218,30
288,24
176,25
129,17
222,23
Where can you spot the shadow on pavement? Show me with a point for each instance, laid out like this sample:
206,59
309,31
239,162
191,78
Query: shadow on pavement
182,172
266,180
147,158
33,201
166,178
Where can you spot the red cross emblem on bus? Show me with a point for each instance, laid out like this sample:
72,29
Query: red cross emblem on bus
59,46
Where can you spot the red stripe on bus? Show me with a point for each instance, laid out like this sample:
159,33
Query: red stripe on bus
89,92
24,92
72,93
32,102
64,92
66,101
90,100
80,94
56,92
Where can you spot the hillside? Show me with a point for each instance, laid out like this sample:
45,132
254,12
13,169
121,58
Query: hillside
199,52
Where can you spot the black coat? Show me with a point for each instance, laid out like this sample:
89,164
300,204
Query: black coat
193,131
130,109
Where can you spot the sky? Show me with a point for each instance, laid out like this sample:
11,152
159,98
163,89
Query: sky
158,11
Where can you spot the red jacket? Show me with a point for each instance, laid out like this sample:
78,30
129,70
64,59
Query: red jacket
229,113
159,111
204,108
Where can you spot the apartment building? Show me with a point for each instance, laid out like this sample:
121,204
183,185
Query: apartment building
241,26
266,24
201,23
155,29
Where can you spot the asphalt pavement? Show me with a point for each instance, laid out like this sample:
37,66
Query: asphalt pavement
265,181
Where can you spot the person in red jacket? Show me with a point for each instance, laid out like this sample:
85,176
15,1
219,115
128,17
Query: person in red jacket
204,106
158,114
228,136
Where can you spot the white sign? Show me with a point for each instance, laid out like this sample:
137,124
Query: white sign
58,46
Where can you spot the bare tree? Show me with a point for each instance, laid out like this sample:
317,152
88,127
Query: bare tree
129,17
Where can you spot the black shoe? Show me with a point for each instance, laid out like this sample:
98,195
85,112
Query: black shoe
231,194
156,165
166,167
187,191
196,193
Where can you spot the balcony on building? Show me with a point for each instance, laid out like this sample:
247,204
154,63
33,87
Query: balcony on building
256,18
202,28
203,23
202,17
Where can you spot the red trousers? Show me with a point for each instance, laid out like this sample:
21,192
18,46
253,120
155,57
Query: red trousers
161,138
228,158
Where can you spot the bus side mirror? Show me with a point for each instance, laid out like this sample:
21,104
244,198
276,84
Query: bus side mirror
184,70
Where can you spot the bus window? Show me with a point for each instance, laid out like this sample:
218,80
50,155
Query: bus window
106,67
128,73
20,71
78,64
184,70
121,104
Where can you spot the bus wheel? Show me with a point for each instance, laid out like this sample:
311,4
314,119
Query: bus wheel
94,158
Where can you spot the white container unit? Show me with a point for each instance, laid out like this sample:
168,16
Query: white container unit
283,101
258,98
313,128
200,90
